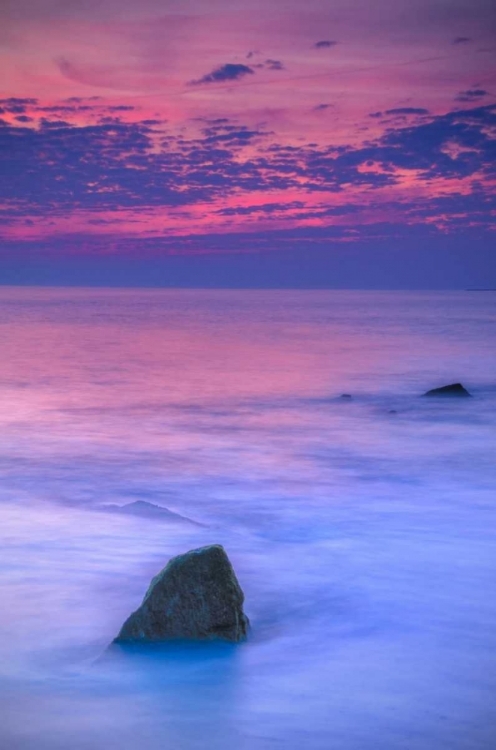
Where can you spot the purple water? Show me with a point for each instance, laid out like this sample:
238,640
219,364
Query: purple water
365,540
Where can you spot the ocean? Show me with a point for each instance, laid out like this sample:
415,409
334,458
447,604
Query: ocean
362,530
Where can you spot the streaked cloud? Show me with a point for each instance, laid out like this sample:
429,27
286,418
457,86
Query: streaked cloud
227,72
325,44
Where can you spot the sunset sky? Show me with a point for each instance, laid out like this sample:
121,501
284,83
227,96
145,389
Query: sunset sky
319,137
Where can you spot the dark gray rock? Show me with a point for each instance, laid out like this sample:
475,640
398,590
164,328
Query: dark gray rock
196,597
455,389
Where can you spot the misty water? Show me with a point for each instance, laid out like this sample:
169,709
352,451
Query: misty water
362,530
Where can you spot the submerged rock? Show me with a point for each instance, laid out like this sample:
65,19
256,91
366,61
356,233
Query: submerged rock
346,396
455,389
196,597
143,509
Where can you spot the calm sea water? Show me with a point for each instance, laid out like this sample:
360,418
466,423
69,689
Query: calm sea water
363,530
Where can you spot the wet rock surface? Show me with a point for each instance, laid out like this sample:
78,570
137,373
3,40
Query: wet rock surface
195,597
455,390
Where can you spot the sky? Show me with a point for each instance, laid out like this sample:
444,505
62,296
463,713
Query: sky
220,142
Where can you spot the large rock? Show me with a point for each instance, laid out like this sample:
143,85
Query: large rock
196,596
455,389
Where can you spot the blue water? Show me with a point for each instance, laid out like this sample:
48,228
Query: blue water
362,530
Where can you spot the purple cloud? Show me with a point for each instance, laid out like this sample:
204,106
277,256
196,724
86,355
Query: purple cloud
404,111
59,167
16,105
228,72
274,65
325,43
471,95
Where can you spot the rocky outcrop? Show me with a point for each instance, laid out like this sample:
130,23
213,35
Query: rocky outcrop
195,597
455,390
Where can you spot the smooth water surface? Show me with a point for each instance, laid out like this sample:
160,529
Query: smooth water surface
362,530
